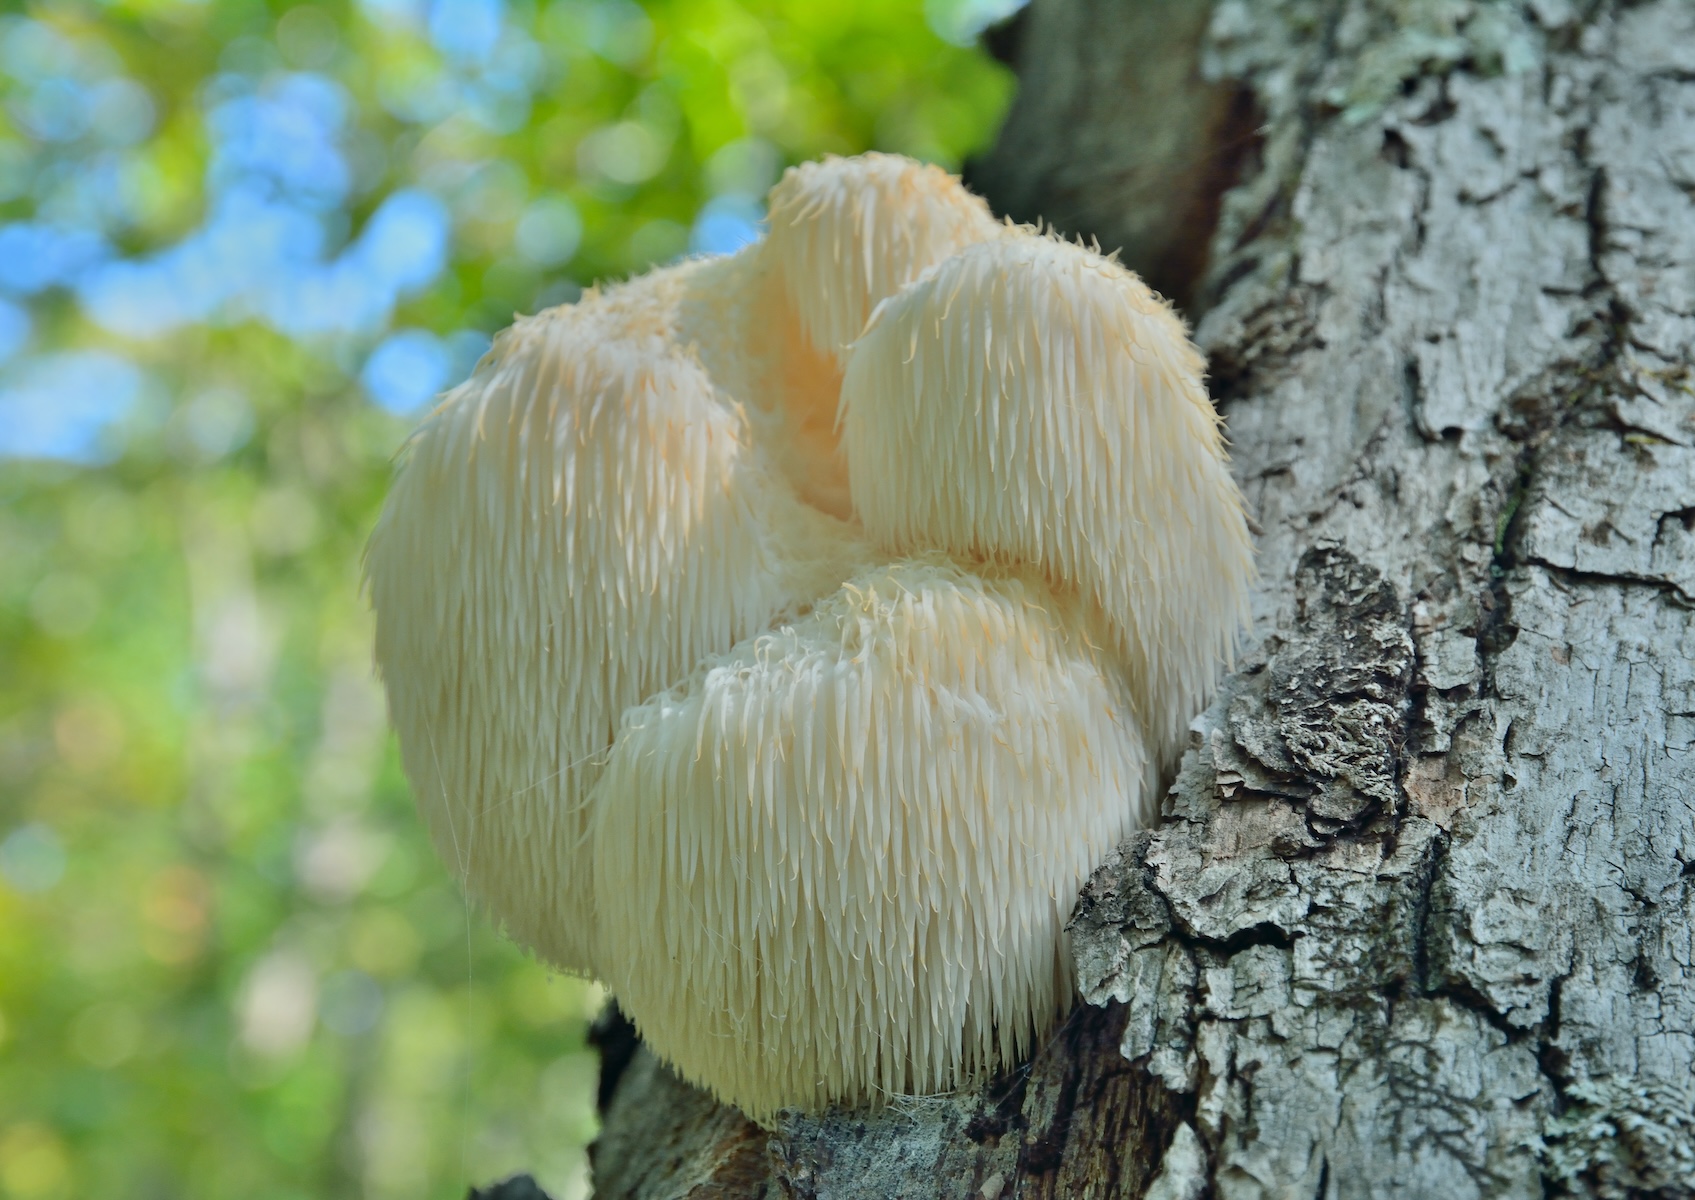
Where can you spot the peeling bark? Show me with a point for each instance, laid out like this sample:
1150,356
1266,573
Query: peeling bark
1418,919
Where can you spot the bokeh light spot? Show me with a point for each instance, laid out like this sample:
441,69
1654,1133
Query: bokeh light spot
628,152
466,30
726,224
32,859
405,371
351,1004
121,111
549,231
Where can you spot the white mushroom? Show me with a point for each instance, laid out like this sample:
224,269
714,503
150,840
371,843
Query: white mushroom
799,709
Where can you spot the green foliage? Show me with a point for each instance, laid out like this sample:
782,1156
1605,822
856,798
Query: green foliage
230,964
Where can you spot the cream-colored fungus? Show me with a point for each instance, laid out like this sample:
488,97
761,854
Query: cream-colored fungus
798,711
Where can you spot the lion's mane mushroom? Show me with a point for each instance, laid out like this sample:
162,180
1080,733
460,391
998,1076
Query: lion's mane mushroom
787,661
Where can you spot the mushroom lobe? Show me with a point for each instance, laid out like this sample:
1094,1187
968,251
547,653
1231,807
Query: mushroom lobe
848,848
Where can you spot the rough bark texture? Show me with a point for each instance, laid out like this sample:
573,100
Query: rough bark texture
1418,920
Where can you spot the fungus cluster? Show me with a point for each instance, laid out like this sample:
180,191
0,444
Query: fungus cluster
781,638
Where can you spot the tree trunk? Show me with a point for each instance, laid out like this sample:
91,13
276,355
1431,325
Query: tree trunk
1418,919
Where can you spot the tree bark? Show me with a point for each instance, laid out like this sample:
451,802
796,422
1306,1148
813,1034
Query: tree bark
1417,921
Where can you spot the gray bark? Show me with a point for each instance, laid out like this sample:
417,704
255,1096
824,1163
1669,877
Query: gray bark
1418,919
